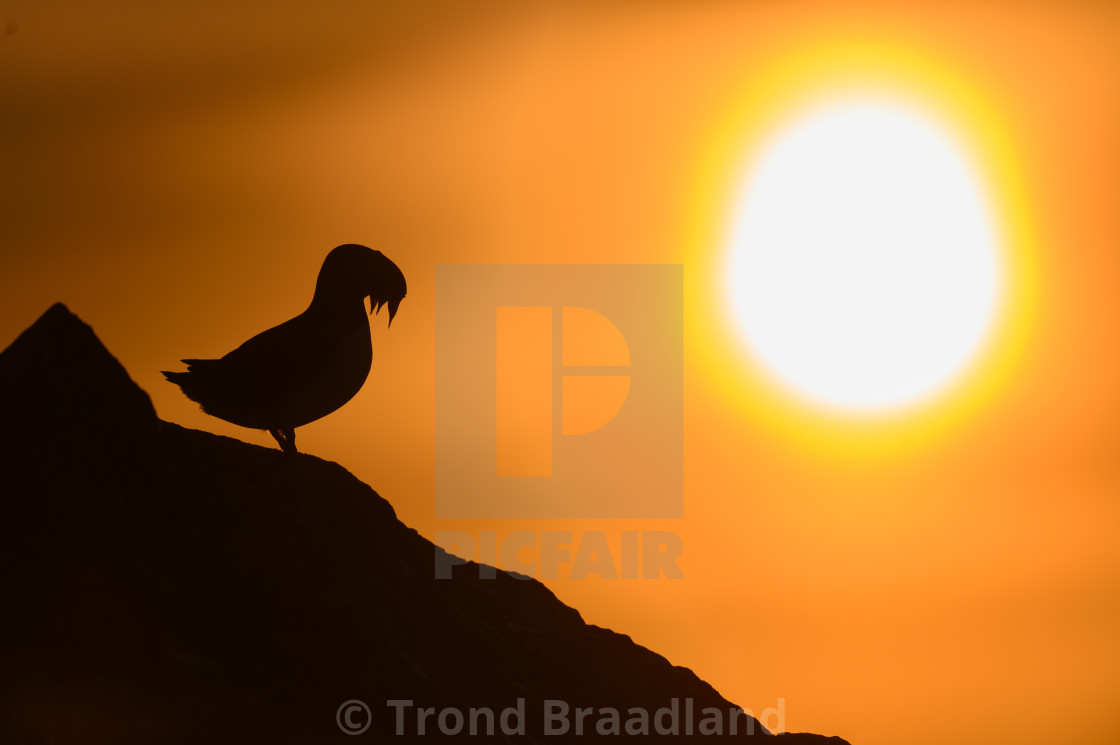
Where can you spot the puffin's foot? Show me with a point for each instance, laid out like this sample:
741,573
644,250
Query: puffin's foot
286,438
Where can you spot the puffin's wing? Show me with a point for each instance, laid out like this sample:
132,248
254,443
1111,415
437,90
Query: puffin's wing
279,360
251,384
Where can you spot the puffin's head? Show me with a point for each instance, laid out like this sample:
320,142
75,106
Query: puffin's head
354,270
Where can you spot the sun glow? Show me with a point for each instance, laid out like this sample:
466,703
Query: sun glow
936,103
864,271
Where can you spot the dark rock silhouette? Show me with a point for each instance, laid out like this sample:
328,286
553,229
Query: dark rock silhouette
167,585
309,366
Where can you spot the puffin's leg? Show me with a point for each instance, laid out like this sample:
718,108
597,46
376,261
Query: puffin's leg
286,438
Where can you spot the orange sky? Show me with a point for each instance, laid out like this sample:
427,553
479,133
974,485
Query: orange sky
176,177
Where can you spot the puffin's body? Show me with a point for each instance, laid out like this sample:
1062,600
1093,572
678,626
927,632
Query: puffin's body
309,366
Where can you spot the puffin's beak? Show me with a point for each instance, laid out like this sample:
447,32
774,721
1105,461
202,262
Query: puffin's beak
375,307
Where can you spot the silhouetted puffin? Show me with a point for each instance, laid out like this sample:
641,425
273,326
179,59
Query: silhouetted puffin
309,366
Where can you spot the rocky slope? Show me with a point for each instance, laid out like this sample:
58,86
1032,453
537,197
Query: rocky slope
167,585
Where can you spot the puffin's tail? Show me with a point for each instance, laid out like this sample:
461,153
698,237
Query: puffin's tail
190,383
183,380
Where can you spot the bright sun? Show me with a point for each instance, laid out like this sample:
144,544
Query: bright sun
864,270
